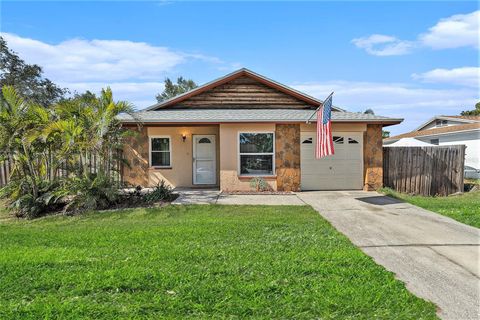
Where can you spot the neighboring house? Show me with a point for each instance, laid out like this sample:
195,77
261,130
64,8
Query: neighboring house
244,125
409,142
449,130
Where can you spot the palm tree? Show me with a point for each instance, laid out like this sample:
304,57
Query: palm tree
19,120
40,141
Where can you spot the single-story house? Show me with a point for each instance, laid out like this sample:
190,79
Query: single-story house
409,142
244,125
449,130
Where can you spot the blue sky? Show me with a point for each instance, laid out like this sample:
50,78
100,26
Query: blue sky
402,59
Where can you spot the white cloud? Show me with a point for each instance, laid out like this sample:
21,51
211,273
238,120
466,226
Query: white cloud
79,60
383,45
134,70
467,76
91,60
461,30
414,104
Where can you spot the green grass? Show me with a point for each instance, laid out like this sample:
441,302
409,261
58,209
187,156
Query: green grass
194,262
464,208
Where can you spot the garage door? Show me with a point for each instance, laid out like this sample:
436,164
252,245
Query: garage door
341,171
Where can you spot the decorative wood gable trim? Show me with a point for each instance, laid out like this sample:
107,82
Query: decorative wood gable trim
240,89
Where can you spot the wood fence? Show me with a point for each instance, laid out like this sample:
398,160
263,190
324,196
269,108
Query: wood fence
116,171
427,171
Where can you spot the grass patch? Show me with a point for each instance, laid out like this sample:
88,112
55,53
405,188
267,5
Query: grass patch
194,262
464,208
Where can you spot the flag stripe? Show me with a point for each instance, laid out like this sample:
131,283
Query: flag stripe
324,146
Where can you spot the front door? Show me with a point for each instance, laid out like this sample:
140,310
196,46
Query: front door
204,156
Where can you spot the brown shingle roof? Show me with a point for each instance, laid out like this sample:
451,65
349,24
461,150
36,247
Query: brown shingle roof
460,127
476,118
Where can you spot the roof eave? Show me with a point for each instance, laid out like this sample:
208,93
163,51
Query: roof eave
386,122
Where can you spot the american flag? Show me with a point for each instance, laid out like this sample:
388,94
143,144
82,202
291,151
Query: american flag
324,146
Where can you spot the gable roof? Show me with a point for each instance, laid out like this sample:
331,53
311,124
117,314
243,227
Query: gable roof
235,75
466,119
435,131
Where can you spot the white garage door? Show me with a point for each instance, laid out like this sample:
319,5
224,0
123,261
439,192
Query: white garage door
341,171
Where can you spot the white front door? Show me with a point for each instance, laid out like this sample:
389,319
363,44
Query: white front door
204,156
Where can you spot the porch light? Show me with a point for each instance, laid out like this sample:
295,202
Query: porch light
184,137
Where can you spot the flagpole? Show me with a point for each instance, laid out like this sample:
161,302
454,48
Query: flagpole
308,120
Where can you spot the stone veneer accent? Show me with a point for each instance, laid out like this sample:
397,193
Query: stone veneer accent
136,153
287,157
373,157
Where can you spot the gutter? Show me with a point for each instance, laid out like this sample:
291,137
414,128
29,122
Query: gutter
380,121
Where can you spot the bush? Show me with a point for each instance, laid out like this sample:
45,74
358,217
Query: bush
259,184
161,192
21,200
91,192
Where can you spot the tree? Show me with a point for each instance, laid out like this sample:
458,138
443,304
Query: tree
68,150
172,90
385,134
474,112
26,78
369,111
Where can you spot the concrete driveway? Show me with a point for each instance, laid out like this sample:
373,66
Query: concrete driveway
437,257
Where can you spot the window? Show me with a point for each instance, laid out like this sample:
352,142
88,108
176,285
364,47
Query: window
204,140
160,152
440,123
352,141
434,141
337,139
256,153
308,140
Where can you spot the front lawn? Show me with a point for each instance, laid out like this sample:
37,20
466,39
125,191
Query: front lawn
194,262
464,208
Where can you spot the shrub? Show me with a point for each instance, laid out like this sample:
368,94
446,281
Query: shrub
259,184
161,192
89,192
21,200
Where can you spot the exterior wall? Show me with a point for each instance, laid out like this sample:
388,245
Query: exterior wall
229,175
470,139
180,174
341,127
136,153
373,157
287,157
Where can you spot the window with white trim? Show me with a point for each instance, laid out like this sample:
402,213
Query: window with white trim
256,153
160,152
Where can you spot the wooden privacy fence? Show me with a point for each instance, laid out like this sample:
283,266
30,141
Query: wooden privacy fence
427,171
116,170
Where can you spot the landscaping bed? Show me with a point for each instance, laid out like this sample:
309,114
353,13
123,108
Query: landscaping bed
196,261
